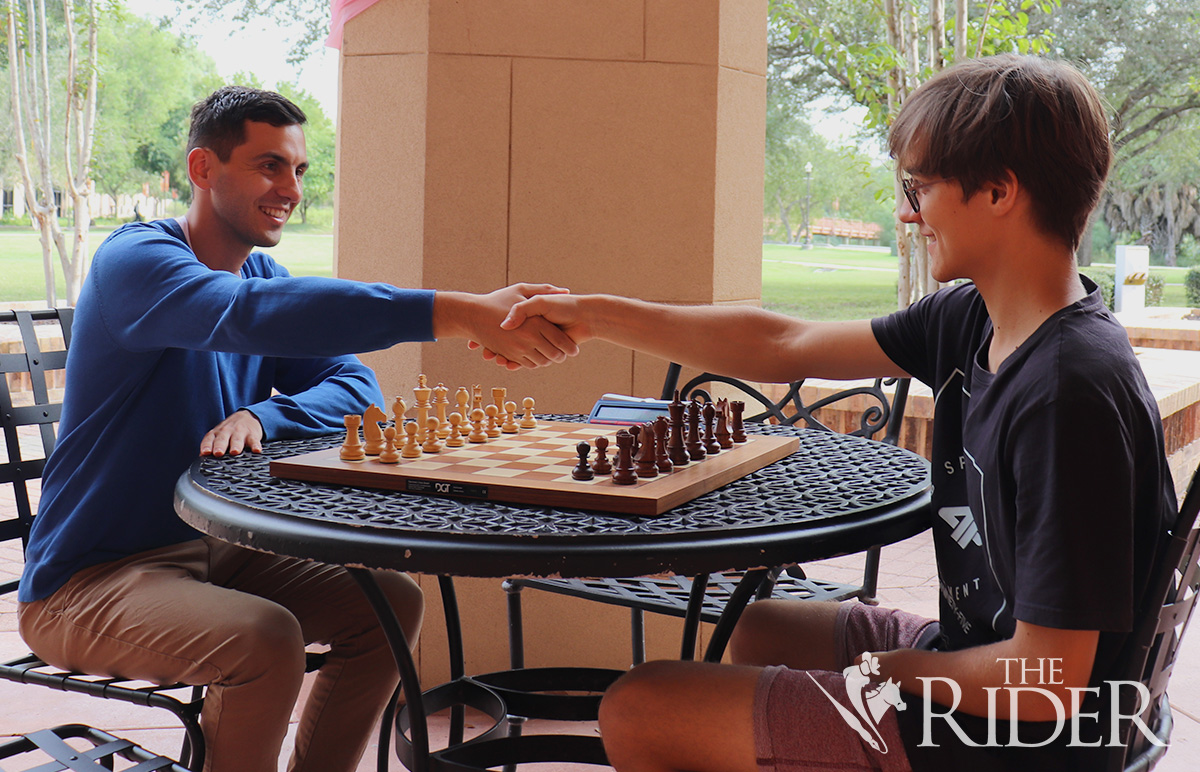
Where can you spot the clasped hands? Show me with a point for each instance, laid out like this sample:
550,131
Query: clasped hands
538,325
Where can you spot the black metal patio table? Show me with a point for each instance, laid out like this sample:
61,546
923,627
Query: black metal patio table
835,495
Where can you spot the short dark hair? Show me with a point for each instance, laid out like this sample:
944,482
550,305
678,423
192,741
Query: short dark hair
219,120
1036,117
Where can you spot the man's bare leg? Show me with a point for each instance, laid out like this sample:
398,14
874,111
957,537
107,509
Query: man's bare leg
797,634
672,716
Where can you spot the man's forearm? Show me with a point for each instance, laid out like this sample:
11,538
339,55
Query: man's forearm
979,680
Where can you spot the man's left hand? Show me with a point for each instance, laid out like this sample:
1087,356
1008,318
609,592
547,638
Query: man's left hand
240,431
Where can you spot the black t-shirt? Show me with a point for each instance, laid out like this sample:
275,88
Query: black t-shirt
1051,490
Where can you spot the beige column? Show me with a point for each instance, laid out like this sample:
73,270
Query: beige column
602,145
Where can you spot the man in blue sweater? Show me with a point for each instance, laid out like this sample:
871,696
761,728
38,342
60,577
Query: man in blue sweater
186,340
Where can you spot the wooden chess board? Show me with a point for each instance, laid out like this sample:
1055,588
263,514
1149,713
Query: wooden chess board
534,467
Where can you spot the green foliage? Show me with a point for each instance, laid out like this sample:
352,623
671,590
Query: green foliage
848,43
149,78
320,140
1191,287
1106,281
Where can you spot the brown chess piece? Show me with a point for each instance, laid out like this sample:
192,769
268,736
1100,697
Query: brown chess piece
737,429
622,473
601,465
695,443
661,458
582,471
645,463
675,446
711,445
722,431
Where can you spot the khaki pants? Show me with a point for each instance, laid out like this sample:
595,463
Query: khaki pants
207,612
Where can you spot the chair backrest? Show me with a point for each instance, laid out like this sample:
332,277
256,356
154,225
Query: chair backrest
30,407
1149,655
882,413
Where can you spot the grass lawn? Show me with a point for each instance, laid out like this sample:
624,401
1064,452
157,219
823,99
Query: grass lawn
303,251
828,284
819,283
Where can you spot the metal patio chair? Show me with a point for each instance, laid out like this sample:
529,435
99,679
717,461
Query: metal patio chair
30,409
92,749
1149,654
669,595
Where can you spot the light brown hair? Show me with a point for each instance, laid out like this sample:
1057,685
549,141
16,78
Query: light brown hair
1039,118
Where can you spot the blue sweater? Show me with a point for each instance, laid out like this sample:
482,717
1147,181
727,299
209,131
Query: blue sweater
163,349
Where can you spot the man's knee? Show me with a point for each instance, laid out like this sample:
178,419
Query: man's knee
407,600
628,703
265,637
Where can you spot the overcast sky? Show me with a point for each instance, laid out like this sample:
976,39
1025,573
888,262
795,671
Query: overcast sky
260,49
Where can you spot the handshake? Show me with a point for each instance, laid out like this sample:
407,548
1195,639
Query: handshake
522,325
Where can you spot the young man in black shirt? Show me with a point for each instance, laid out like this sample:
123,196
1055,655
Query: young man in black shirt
1051,490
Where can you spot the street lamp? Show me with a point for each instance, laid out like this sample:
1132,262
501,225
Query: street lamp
807,201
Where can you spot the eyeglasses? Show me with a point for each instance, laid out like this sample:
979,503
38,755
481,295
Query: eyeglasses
911,187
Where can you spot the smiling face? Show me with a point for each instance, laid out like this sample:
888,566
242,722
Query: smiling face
254,193
951,226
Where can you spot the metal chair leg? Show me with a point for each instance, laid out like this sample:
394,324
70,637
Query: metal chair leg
637,635
870,577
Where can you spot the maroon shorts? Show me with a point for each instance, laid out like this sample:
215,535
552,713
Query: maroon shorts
798,727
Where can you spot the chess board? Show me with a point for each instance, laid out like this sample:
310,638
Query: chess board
534,467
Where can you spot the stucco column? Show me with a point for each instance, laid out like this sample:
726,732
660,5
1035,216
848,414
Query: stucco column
602,145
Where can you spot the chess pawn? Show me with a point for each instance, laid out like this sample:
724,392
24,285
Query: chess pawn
493,429
661,458
510,418
601,465
477,433
352,447
411,449
432,445
455,438
622,473
582,471
737,428
711,445
527,420
389,455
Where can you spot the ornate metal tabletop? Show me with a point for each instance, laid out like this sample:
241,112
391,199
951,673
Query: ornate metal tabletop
836,494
